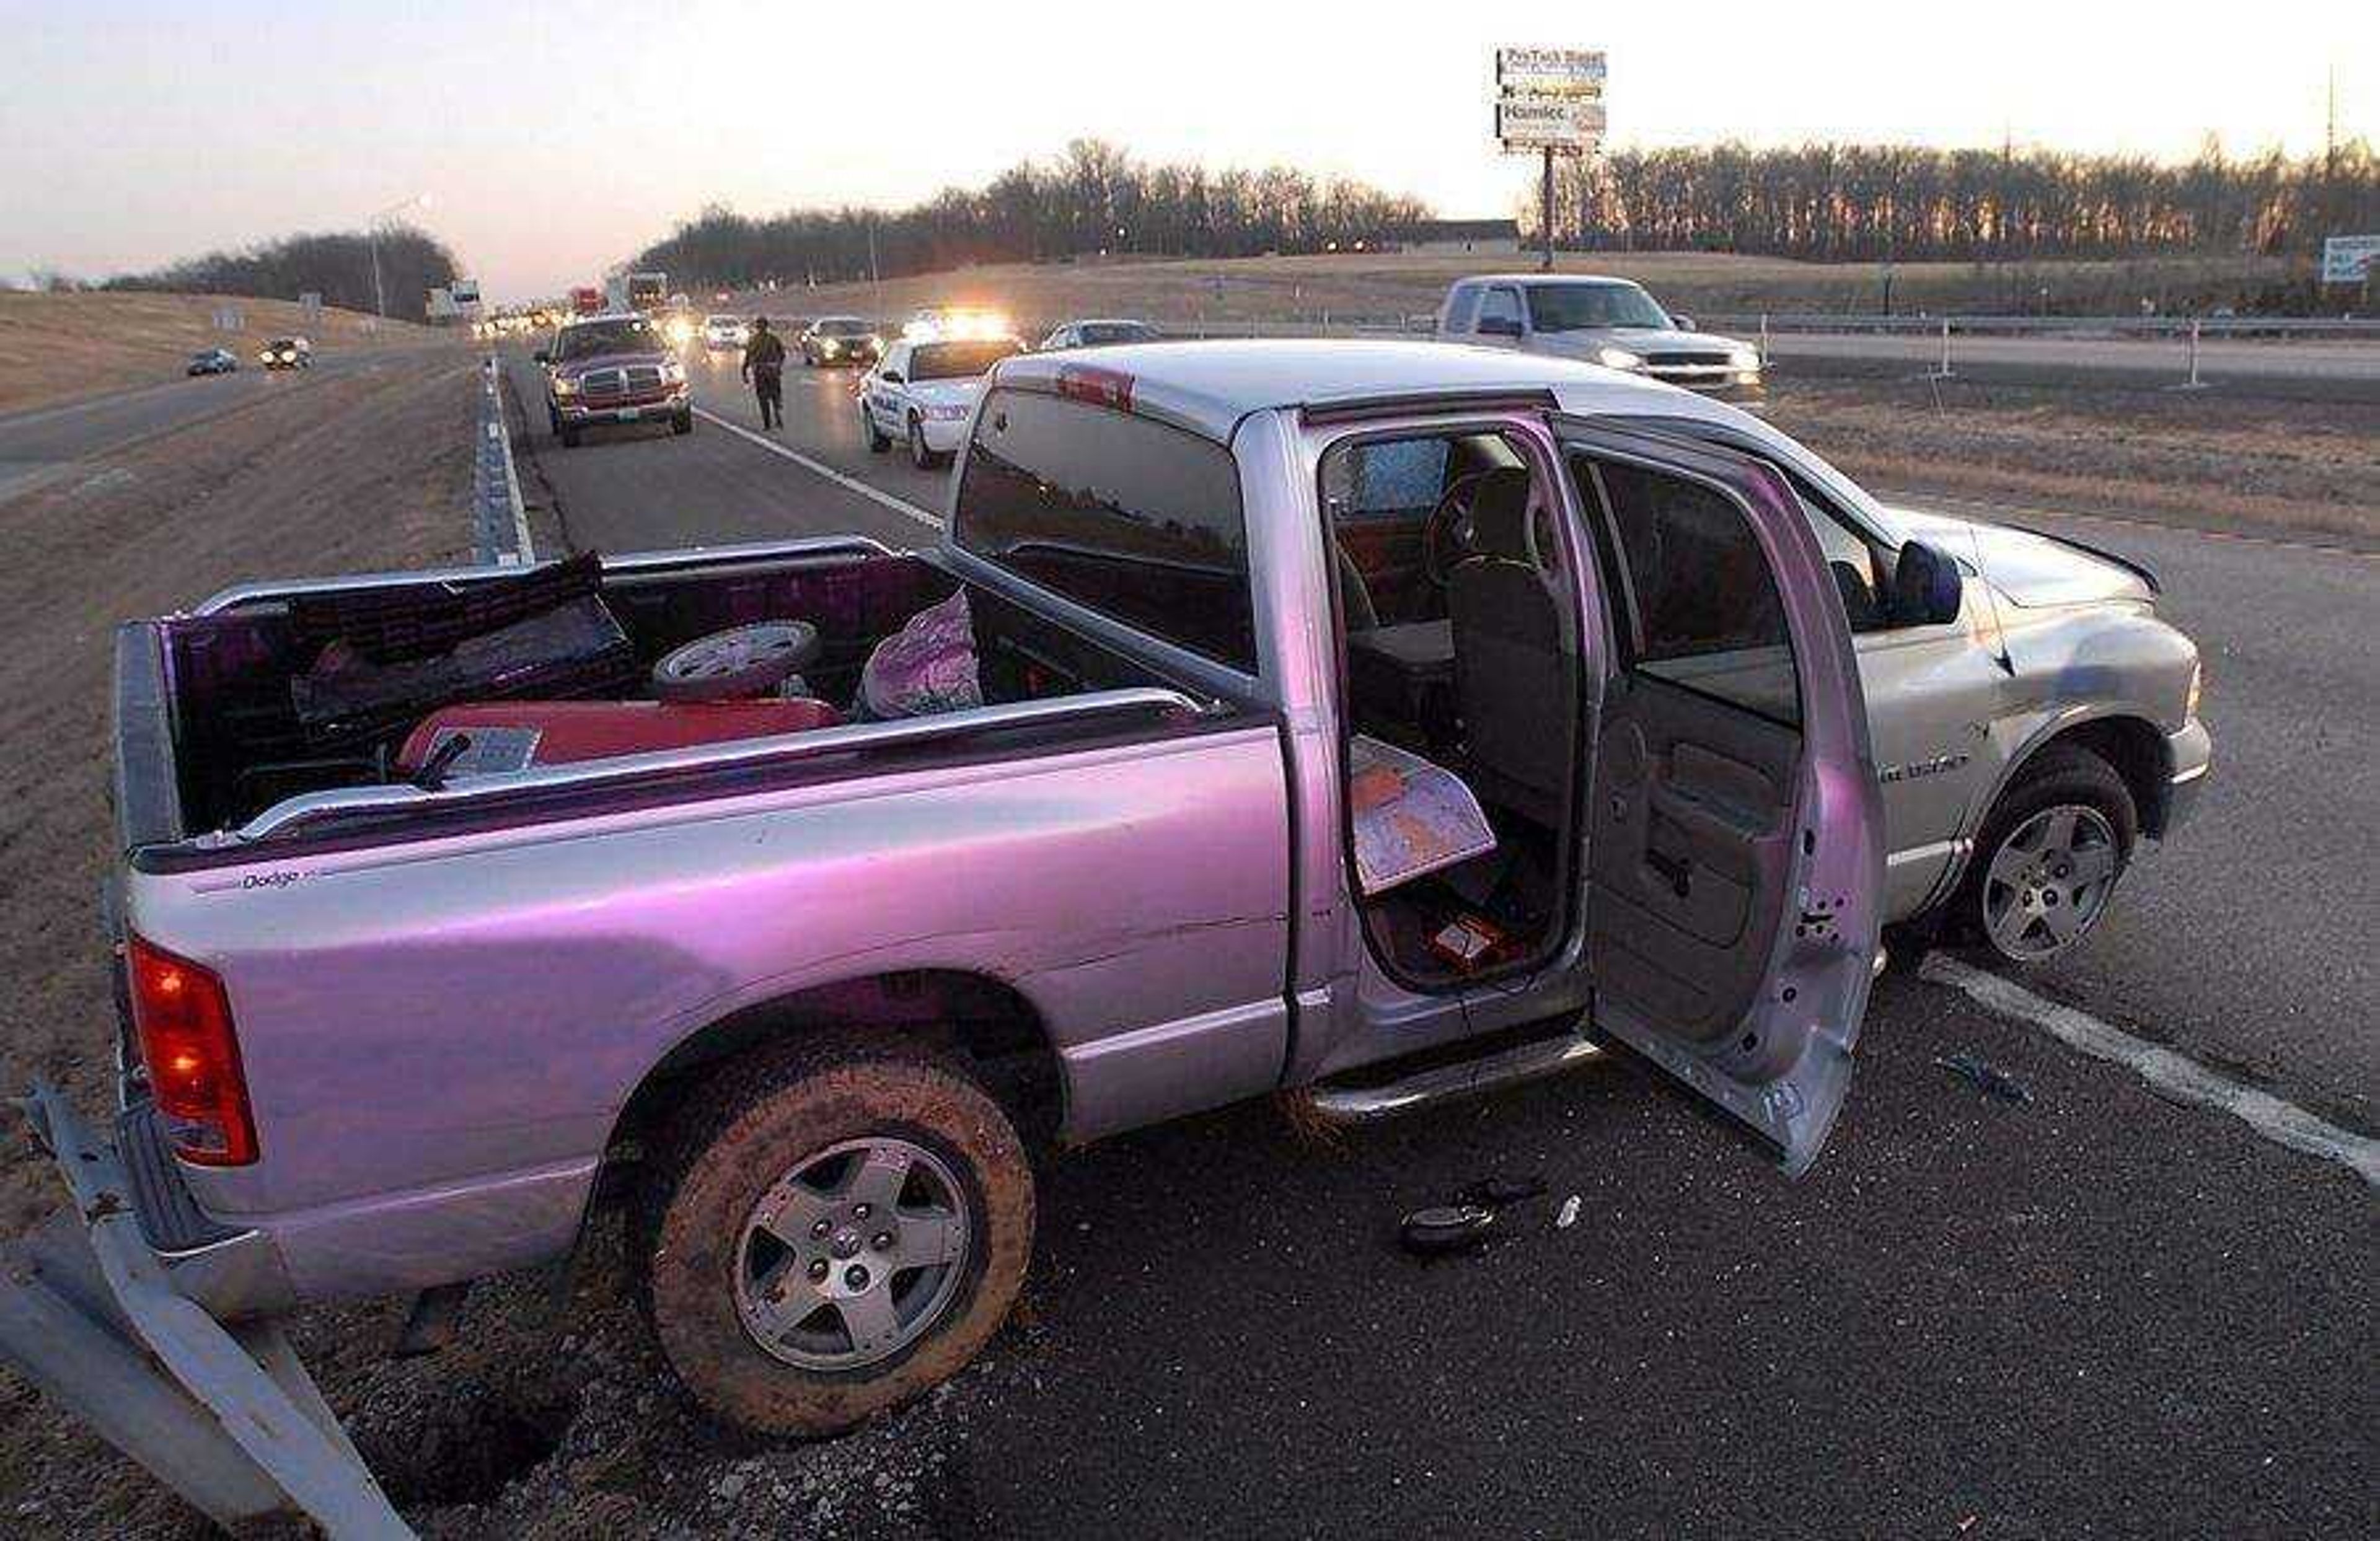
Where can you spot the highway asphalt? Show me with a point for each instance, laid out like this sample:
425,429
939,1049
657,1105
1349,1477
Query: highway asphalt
2092,1310
44,442
2313,370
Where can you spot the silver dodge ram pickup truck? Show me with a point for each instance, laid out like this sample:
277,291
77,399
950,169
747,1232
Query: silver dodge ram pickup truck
1375,722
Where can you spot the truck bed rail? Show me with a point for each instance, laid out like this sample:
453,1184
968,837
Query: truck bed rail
294,813
240,595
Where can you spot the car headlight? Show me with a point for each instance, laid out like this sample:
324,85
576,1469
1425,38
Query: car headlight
829,346
2189,700
1619,359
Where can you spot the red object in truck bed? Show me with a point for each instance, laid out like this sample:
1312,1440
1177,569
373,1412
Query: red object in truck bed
512,735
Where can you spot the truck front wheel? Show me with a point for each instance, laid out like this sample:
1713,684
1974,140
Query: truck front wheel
2048,858
832,1229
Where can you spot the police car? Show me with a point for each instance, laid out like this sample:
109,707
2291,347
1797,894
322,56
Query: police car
923,390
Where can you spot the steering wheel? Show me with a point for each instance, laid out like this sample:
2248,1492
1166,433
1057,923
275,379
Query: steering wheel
1446,536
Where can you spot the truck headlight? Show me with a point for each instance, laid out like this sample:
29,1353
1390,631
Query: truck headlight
564,386
1743,360
672,373
1619,359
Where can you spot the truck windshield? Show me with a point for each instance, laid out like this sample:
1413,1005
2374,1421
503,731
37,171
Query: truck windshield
959,360
1582,307
625,335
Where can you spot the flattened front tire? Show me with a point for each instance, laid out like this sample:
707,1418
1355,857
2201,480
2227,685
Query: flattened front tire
2048,859
743,1142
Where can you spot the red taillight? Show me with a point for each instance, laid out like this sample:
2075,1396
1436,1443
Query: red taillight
184,1022
1100,387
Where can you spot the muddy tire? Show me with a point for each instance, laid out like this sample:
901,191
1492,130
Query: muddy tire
788,1302
878,439
2048,859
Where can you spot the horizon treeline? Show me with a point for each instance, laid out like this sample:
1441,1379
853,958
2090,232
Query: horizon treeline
337,265
1832,202
1095,198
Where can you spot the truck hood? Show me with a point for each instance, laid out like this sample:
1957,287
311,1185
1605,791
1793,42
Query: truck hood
1635,339
578,366
2032,569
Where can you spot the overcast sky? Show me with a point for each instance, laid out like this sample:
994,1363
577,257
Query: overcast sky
554,139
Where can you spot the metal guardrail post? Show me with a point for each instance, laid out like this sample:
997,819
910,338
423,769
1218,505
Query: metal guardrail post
499,520
2194,383
1944,371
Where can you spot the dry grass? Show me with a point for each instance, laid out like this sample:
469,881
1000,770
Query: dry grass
1385,287
58,347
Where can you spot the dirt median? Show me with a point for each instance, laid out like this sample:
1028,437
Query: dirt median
2207,462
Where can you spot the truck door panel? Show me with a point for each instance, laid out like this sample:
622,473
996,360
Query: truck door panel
1735,848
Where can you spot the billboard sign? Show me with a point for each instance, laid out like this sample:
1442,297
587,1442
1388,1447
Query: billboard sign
1548,123
1549,72
2348,259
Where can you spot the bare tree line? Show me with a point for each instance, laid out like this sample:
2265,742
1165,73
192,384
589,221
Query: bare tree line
1094,199
1829,202
336,266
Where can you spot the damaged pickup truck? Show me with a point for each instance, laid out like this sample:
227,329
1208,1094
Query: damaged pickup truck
797,890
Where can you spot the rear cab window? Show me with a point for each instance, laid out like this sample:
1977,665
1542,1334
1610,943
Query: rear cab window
1134,519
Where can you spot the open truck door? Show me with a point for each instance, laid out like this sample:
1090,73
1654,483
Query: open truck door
1734,838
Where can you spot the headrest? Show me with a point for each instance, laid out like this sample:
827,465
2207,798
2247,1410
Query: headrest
1499,515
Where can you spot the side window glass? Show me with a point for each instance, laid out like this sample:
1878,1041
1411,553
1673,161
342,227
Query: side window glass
1699,606
1852,562
1386,478
1501,305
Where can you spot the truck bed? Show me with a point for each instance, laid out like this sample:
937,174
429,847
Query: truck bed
209,738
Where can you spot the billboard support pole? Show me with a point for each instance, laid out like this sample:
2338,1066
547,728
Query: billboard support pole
1546,216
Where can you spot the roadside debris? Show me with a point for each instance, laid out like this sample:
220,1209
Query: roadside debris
1442,1229
1990,1080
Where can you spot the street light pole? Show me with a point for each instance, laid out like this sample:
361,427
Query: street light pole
380,301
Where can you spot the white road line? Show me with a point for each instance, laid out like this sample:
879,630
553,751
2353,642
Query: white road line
2173,1075
850,483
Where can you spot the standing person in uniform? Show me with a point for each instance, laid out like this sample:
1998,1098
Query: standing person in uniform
764,366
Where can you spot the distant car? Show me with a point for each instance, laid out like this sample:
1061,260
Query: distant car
839,340
922,394
288,353
1602,321
613,369
213,360
1098,333
731,331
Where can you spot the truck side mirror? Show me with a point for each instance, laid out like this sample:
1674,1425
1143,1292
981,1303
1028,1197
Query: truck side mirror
1926,586
1499,326
889,377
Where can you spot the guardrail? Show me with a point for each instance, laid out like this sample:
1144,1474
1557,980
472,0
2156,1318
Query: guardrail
2167,328
499,521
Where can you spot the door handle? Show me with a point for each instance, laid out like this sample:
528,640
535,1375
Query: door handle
1679,870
